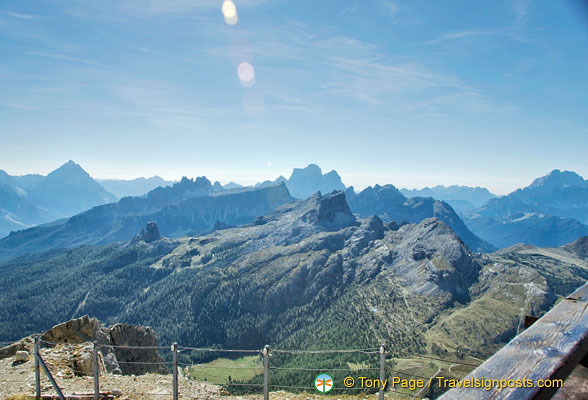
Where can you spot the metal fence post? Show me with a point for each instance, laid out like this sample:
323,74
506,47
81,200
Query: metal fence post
382,370
174,349
50,377
37,370
96,371
265,352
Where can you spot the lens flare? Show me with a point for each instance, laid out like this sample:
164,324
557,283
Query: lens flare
246,74
229,10
232,20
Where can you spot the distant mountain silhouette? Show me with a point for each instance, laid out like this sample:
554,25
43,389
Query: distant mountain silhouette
530,228
461,198
232,185
563,194
551,211
385,201
135,187
304,182
34,199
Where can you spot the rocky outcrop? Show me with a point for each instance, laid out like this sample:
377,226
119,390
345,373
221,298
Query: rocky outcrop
126,339
390,204
330,211
123,348
149,234
433,259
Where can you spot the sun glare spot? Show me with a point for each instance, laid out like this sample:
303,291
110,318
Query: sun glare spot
246,74
229,10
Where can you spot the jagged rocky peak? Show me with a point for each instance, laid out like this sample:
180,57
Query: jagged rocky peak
118,347
374,224
184,189
331,210
149,234
305,181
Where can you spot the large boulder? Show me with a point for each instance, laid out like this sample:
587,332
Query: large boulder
121,346
139,344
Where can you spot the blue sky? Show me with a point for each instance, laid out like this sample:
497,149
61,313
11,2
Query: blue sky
413,93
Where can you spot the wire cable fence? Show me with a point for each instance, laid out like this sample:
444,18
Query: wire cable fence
57,370
241,371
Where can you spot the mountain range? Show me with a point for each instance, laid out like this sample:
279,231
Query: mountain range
30,200
551,211
190,205
390,204
193,206
331,279
461,198
135,187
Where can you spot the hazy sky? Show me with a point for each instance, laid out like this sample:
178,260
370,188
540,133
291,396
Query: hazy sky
413,93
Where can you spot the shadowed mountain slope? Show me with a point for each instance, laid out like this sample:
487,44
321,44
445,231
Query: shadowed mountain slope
187,206
391,205
552,211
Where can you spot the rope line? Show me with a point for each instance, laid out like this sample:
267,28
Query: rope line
232,383
291,387
145,363
104,345
312,388
133,347
219,350
325,369
365,351
207,367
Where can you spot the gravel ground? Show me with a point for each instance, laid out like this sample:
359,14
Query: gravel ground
18,378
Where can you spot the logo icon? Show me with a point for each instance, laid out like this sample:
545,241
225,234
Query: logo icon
323,383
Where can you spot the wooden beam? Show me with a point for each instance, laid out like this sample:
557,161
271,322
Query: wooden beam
549,350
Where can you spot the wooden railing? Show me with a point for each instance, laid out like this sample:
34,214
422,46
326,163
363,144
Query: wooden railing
542,356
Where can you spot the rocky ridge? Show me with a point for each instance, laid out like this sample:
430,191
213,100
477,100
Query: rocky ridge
189,206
